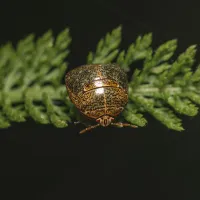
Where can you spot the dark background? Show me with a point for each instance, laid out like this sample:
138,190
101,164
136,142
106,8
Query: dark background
43,162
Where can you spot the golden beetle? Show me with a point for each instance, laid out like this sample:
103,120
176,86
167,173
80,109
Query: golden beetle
99,91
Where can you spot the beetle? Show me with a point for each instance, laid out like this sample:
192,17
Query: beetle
100,92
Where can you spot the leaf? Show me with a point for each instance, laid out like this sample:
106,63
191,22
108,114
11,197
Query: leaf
106,50
131,115
24,74
54,118
136,51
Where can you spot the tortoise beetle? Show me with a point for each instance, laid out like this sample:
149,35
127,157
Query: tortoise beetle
99,91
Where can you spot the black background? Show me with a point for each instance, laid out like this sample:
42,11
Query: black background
42,162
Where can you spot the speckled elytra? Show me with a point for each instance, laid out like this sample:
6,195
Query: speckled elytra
100,92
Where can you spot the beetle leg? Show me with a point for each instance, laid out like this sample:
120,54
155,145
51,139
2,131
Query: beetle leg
78,122
89,128
120,124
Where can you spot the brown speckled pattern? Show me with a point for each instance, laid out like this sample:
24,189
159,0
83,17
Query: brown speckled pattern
95,101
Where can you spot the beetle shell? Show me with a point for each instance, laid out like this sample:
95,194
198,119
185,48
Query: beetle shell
98,89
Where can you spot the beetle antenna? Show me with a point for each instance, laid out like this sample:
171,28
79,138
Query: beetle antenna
120,124
89,128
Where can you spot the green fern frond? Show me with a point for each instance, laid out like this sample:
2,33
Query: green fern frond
136,51
160,87
107,48
167,83
31,79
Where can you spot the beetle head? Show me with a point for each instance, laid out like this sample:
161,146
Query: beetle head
105,120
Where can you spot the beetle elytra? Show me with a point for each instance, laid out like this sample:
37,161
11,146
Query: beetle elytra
100,92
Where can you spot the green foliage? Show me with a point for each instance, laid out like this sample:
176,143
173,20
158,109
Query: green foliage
162,87
107,48
31,79
136,51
